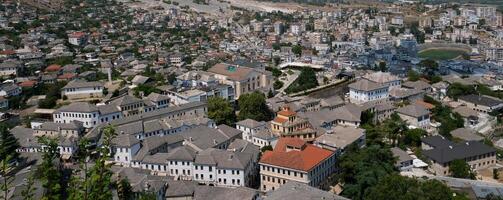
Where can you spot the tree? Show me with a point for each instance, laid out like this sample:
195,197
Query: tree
253,106
460,169
382,66
8,145
413,137
221,111
277,84
361,169
413,75
367,117
124,190
28,193
429,67
101,175
266,148
496,174
400,187
297,50
457,89
5,171
306,80
48,172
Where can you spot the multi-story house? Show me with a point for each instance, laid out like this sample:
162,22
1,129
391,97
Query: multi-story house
10,90
415,115
8,68
250,127
79,89
384,78
363,91
288,124
243,79
77,38
442,152
295,160
90,115
481,103
71,129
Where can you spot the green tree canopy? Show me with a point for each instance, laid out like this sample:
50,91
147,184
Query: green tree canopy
429,67
48,172
8,144
306,80
456,90
413,137
413,75
253,106
396,187
221,111
460,169
297,50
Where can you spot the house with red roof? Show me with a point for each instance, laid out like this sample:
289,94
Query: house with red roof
77,38
293,159
54,68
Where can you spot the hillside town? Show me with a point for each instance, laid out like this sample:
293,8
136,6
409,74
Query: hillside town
251,100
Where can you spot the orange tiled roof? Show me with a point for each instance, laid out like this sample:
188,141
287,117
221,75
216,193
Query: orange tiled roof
53,68
28,83
67,76
280,120
427,105
287,113
7,52
305,159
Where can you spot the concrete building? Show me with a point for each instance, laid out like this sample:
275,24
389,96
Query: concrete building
78,89
288,124
442,152
404,161
250,127
295,160
483,104
415,115
363,91
243,79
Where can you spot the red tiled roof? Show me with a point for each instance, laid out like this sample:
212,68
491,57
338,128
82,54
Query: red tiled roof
305,159
286,113
280,120
28,83
53,68
67,76
427,105
7,52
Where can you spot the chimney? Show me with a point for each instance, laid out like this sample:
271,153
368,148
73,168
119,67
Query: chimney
214,141
231,156
450,147
122,132
191,139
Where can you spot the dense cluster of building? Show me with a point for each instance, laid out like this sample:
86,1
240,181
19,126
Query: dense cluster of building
151,72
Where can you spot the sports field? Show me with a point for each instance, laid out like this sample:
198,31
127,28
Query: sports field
441,54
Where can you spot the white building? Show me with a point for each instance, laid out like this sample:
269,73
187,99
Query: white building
415,115
78,89
363,91
9,68
90,115
10,90
250,127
